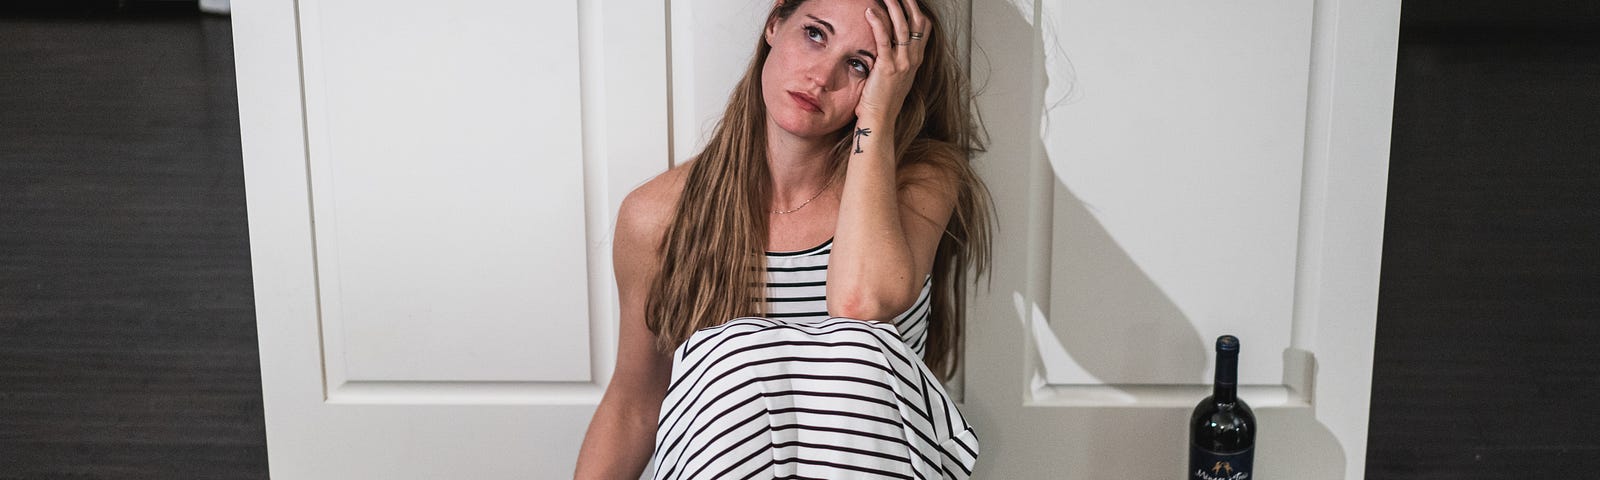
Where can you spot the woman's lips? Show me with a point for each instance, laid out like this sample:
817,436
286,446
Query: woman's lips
805,103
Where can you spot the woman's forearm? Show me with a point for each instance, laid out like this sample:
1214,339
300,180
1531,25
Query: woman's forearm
619,442
870,268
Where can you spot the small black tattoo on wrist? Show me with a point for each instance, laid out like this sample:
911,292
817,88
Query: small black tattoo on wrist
861,132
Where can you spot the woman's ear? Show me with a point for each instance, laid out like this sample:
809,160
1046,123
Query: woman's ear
772,23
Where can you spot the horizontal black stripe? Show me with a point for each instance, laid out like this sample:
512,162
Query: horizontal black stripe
856,451
768,323
842,466
797,284
796,299
844,431
838,413
811,250
801,254
797,314
806,268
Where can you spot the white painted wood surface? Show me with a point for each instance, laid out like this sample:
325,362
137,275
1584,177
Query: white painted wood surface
1176,167
430,193
1164,174
431,189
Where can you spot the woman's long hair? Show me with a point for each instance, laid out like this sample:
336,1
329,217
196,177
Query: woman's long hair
713,266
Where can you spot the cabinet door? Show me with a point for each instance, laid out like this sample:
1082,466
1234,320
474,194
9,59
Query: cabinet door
1167,172
431,189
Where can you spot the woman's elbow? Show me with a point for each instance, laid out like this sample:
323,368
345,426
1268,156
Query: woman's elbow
881,307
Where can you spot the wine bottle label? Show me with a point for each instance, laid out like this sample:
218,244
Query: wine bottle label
1208,465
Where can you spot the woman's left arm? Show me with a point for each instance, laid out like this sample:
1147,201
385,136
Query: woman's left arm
887,235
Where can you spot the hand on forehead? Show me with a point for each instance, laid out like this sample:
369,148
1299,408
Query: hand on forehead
847,20
845,17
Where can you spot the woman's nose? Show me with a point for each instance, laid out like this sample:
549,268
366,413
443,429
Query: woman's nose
819,74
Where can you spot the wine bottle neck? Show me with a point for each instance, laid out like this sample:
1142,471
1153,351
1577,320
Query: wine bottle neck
1226,388
1225,393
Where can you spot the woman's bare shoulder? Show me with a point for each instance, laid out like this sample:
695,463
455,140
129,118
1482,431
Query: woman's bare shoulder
648,209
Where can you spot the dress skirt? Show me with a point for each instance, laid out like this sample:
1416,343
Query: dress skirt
833,399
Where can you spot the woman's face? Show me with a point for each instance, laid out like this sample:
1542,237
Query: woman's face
820,59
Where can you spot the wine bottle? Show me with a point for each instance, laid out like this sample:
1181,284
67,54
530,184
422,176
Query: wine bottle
1222,430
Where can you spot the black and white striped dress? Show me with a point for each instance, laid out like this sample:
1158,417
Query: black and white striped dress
797,394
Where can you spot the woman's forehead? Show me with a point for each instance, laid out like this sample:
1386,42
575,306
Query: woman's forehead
847,17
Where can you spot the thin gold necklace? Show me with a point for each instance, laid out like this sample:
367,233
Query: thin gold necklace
808,201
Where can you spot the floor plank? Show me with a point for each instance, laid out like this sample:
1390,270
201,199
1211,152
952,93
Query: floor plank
1488,313
127,326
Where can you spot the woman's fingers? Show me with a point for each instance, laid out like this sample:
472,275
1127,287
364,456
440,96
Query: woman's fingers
910,21
897,18
879,33
897,61
917,21
919,25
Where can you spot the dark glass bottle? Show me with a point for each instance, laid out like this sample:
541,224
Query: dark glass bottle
1222,430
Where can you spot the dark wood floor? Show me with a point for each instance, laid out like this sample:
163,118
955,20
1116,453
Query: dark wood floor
127,325
1488,347
127,335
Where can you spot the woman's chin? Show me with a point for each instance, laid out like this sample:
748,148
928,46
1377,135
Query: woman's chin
806,130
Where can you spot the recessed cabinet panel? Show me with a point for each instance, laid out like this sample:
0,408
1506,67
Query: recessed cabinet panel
448,191
1176,205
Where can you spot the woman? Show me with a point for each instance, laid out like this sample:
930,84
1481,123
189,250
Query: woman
792,298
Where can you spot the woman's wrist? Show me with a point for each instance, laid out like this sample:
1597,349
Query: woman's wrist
872,135
874,122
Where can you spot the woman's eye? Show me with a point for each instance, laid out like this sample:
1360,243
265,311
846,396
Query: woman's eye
859,66
814,33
